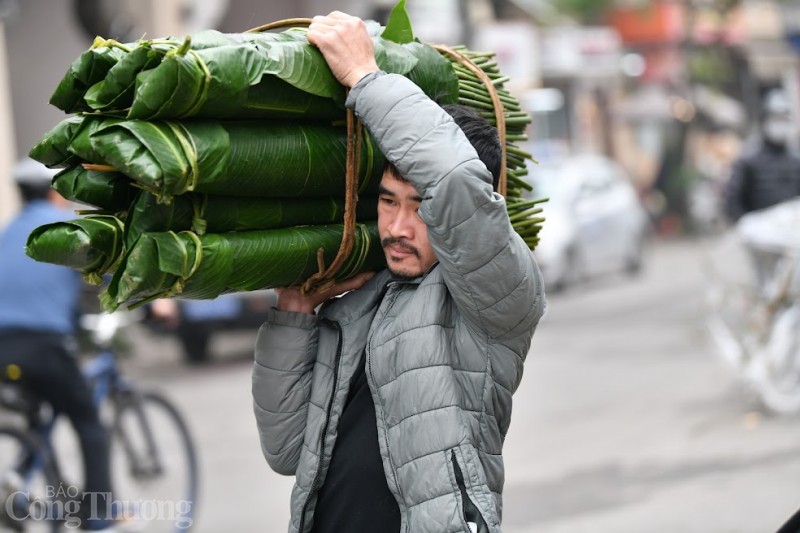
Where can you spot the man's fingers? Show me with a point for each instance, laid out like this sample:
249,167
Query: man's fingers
345,44
361,279
336,21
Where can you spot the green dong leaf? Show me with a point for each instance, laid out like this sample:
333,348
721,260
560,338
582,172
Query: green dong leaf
398,27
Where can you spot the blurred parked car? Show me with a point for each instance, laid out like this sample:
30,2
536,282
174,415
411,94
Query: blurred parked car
595,223
195,322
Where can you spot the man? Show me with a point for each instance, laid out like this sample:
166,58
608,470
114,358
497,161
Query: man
390,405
38,314
771,174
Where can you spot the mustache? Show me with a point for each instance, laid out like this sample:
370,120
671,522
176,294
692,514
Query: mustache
389,241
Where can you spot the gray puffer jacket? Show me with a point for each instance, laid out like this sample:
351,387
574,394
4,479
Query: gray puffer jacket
444,352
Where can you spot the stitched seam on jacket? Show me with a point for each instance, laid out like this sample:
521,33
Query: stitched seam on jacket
290,443
444,326
429,366
474,211
436,127
440,451
429,411
448,493
310,450
320,363
316,405
512,291
304,404
533,310
276,412
262,365
481,450
451,228
502,386
383,119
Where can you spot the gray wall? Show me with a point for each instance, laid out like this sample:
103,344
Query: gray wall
42,41
246,14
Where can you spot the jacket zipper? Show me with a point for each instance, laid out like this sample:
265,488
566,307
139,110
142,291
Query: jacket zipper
467,505
324,433
372,380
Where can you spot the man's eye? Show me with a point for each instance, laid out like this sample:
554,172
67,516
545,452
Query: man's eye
387,201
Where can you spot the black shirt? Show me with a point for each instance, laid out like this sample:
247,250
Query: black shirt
355,497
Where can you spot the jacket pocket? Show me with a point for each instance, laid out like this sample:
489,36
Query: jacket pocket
471,512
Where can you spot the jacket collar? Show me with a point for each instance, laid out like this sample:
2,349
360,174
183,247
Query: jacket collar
355,304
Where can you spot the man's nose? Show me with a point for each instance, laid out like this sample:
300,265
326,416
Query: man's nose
402,224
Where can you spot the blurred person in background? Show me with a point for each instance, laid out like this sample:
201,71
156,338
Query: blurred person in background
39,312
771,173
765,177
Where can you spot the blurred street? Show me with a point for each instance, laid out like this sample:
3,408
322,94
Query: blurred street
625,420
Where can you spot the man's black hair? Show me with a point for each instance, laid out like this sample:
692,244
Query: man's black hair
481,134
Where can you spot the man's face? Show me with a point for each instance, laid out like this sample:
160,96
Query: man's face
404,236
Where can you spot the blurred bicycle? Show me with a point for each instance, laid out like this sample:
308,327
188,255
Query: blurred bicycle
153,459
754,298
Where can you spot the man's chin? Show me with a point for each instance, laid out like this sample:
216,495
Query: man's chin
403,272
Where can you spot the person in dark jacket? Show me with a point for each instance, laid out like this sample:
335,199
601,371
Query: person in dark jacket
771,173
39,306
388,396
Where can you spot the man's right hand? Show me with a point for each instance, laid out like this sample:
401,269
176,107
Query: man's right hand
346,46
291,299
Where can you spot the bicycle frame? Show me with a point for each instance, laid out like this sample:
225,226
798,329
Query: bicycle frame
102,373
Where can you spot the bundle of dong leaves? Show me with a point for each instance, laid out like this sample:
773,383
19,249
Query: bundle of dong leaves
216,162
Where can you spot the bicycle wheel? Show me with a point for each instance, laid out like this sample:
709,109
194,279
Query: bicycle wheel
777,369
29,486
154,464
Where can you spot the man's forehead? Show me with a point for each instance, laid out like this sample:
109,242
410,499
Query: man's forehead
390,184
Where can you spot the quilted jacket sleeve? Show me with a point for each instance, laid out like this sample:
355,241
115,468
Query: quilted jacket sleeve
286,348
488,268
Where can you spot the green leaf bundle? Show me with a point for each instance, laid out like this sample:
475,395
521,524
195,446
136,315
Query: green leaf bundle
90,68
69,142
92,245
168,264
202,213
248,75
251,158
110,191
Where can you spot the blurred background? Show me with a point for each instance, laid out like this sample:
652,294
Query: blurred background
627,420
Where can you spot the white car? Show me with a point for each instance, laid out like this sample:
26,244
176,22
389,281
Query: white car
594,222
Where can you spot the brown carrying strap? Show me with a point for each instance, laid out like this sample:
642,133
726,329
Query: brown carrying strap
499,110
280,24
326,277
